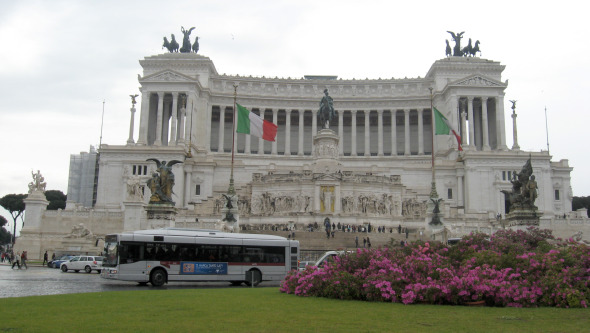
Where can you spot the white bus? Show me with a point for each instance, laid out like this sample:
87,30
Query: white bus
172,254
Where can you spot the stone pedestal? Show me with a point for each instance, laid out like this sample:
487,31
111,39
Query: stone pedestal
160,216
523,217
230,217
133,216
35,204
326,152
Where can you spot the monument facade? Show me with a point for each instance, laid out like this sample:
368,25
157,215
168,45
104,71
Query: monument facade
363,155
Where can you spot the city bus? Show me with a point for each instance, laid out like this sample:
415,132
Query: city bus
172,254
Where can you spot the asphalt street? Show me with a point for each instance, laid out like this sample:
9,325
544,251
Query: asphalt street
37,281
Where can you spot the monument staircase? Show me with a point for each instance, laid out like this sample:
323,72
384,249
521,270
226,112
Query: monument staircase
316,242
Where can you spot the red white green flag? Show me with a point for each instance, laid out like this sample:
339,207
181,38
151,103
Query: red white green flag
251,123
444,127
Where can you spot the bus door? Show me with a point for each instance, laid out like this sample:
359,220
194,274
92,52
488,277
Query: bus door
132,261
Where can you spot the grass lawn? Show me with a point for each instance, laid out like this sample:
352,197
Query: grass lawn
265,310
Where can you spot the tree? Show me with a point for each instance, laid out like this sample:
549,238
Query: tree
581,202
4,234
14,203
57,199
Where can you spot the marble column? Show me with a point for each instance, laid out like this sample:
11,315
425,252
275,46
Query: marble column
500,124
181,124
221,129
420,132
144,117
407,151
187,188
287,132
131,124
515,145
314,123
463,128
275,113
353,134
460,201
341,132
471,123
260,140
158,141
367,133
484,123
300,141
247,143
174,121
379,132
393,132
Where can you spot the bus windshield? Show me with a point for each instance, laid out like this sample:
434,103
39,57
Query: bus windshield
110,254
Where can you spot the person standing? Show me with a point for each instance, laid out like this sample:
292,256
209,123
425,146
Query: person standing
16,260
368,243
45,257
364,242
23,259
356,241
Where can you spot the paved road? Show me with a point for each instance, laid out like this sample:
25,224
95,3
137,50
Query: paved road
48,281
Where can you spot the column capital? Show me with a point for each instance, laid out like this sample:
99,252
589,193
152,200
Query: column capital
380,111
288,111
420,112
406,111
353,111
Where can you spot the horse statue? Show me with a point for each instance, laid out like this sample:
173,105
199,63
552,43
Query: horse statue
475,49
196,45
186,41
467,49
448,51
326,112
171,46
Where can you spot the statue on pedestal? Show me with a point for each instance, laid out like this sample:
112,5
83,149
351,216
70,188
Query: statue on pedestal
457,52
326,112
161,184
38,183
186,42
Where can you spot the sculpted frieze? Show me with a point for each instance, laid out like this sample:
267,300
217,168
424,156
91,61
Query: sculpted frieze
478,81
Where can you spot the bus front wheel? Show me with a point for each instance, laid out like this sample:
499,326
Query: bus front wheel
158,277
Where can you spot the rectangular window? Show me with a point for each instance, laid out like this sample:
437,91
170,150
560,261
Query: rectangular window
198,190
556,194
145,169
509,175
503,175
135,170
450,193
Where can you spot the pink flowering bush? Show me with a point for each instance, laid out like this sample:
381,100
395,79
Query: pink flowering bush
509,268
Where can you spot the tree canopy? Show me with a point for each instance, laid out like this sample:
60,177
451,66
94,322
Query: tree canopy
14,204
581,202
4,234
57,199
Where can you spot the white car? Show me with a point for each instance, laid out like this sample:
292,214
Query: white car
86,263
328,257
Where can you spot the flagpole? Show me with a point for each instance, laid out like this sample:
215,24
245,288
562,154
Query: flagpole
433,193
231,190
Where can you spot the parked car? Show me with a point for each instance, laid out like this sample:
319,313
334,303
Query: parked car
86,263
303,264
328,257
57,261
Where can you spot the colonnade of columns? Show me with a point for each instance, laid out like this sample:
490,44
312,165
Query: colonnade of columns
475,123
294,142
162,119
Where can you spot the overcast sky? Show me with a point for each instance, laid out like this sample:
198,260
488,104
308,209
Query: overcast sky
60,60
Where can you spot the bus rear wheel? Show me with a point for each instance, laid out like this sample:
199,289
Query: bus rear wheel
158,277
253,277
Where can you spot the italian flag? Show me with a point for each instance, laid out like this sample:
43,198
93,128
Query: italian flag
251,123
443,126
